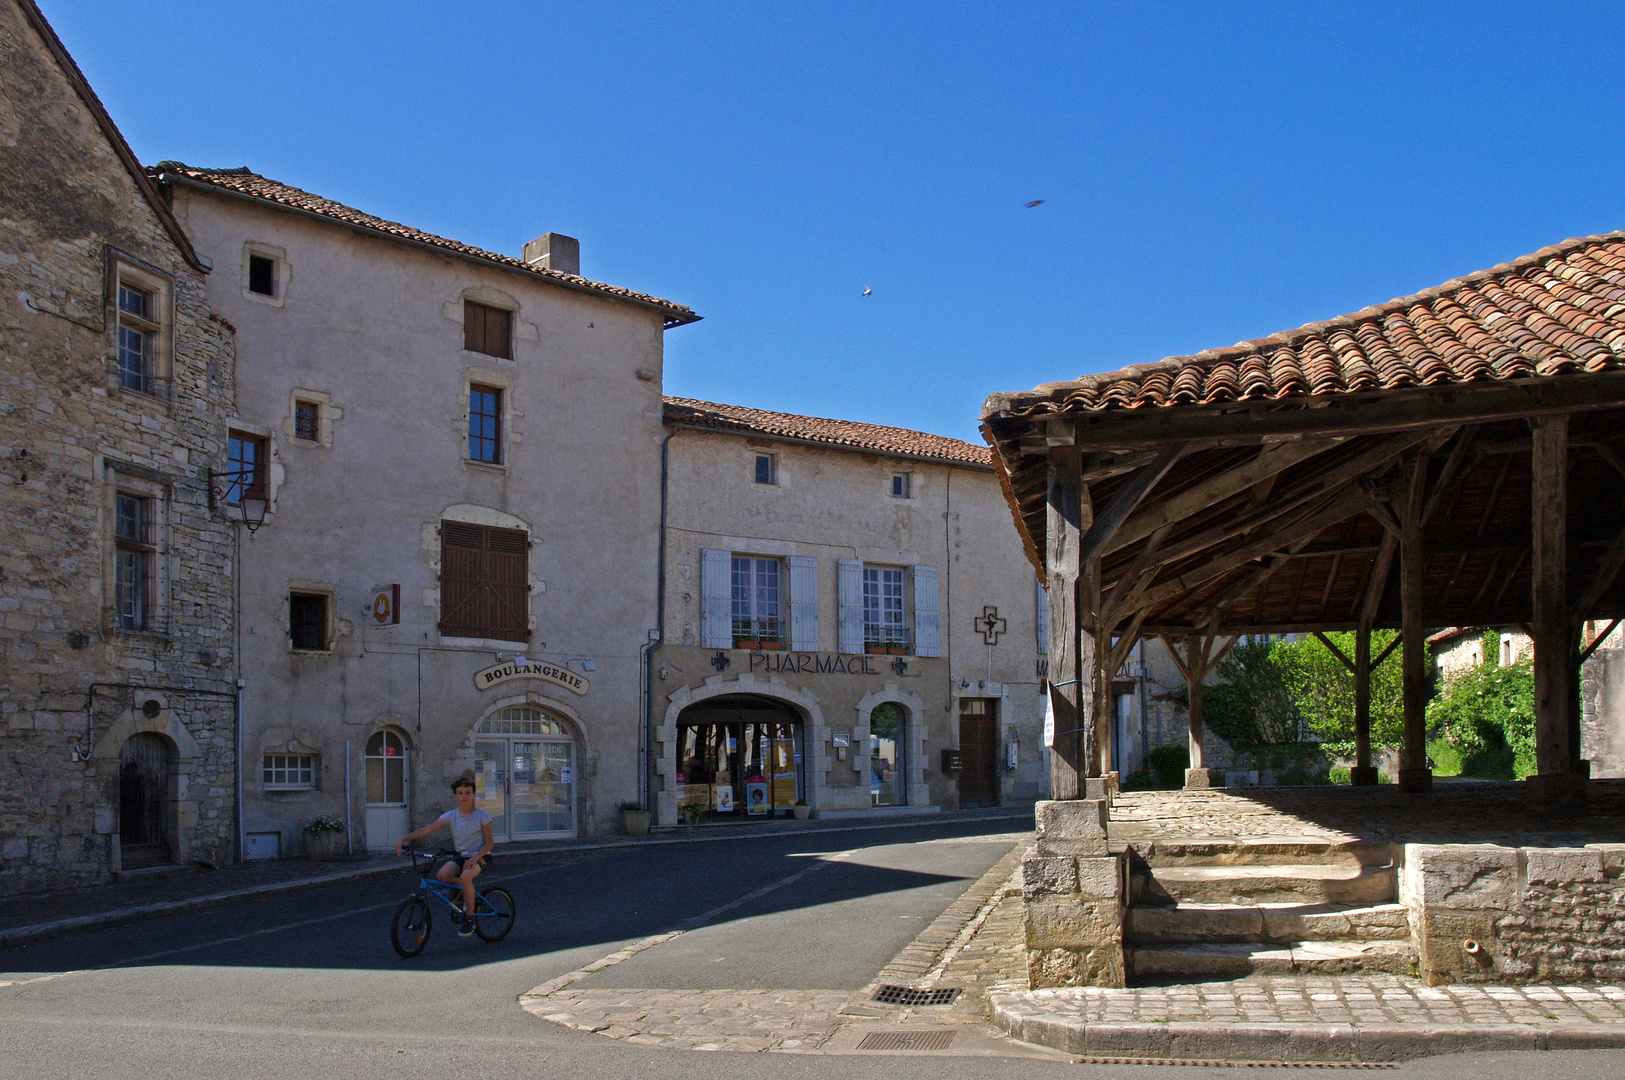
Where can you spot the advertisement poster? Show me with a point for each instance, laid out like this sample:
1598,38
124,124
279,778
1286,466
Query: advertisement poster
783,769
725,798
756,797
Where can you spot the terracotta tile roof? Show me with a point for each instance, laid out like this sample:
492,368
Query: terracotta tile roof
845,434
243,182
1559,311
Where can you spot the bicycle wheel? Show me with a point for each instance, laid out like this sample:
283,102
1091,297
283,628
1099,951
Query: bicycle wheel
495,914
410,930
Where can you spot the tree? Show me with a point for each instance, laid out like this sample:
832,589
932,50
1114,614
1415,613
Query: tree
1323,688
1486,709
1261,708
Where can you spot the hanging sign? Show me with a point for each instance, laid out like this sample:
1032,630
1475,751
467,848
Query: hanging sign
531,669
386,605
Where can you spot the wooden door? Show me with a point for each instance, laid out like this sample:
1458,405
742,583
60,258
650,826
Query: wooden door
144,801
978,753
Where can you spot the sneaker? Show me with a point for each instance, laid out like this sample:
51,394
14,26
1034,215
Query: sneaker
466,929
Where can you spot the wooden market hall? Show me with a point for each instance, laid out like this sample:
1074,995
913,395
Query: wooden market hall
1452,458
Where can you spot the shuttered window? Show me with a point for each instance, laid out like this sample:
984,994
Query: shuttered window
487,329
484,582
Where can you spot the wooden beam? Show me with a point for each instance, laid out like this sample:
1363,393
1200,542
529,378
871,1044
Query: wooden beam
1340,508
1452,465
1585,654
1335,651
1377,584
1553,623
1065,520
1132,583
1110,520
1269,463
1602,578
1414,774
1392,645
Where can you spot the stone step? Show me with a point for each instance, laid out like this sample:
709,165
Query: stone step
1278,851
1266,923
1238,960
1261,883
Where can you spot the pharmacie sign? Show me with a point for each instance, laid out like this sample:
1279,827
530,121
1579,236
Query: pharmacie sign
553,673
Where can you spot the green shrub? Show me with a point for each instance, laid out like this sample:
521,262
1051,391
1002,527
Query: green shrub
1486,713
1340,774
1169,763
1138,781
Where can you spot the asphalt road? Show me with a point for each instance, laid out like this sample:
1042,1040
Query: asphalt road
307,985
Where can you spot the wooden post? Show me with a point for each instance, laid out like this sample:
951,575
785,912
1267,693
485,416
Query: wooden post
1557,779
1193,663
1364,774
1068,517
1414,774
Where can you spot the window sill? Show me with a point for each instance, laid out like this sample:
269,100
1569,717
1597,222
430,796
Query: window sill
156,636
487,356
310,652
269,790
485,466
148,398
504,644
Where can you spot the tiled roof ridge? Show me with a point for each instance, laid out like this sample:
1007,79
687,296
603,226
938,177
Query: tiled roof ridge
1163,373
269,190
828,431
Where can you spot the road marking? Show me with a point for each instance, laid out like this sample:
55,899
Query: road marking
553,986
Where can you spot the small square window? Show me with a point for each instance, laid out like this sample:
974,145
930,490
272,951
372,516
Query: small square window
767,471
487,329
485,424
899,485
307,621
289,771
262,275
307,420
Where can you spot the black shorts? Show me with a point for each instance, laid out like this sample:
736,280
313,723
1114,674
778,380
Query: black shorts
461,861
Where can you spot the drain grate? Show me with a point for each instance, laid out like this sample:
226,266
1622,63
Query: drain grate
907,1040
1214,1063
907,995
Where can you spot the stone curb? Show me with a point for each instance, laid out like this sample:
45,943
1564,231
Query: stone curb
1303,1042
23,935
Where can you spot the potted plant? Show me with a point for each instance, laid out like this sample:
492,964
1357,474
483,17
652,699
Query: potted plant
897,650
765,643
801,810
691,812
874,648
634,818
746,643
324,837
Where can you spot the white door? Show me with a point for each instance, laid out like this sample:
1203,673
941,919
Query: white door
388,818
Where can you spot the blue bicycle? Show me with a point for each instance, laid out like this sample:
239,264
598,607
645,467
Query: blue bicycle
493,908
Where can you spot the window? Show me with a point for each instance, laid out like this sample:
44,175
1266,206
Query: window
522,721
487,329
756,605
485,424
899,485
307,621
484,582
262,275
245,467
289,772
767,470
134,549
137,337
307,416
883,606
386,769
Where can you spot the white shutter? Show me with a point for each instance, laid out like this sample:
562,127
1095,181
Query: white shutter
849,579
927,621
716,599
1041,602
803,603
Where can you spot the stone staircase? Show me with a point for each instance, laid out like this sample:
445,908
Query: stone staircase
1201,909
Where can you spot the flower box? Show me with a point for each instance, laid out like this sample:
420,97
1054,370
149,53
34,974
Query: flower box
875,650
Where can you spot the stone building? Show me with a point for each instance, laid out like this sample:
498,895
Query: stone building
849,622
116,694
455,455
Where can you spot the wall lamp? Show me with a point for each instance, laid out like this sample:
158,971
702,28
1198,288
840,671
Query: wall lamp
252,503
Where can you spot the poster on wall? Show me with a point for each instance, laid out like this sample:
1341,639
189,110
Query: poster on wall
783,769
725,798
756,796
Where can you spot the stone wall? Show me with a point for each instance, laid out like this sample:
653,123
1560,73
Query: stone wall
1073,898
1485,913
71,437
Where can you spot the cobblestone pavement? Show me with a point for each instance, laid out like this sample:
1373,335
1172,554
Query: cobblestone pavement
1455,812
971,946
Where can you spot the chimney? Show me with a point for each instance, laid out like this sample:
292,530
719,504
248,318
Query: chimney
555,251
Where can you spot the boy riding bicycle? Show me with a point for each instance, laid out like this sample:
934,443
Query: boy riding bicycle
471,840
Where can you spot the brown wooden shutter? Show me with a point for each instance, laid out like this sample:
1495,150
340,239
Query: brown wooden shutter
484,582
474,326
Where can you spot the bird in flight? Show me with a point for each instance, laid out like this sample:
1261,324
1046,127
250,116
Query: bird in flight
1035,202
867,290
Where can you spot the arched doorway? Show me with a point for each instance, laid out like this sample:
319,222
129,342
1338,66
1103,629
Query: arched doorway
524,774
145,779
888,755
388,818
738,756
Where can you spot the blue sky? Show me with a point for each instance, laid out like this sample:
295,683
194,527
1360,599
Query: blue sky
1211,172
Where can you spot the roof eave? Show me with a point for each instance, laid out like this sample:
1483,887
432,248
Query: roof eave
672,316
899,455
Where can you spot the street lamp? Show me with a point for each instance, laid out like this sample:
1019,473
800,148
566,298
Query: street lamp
251,503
